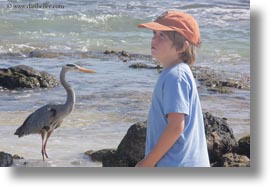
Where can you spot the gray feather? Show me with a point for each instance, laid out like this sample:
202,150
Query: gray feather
42,118
50,116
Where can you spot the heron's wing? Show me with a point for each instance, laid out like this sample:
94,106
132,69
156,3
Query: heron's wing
42,118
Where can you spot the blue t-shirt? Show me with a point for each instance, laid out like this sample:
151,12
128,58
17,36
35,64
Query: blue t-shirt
176,92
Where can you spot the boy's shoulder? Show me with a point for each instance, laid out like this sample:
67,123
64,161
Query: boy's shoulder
179,71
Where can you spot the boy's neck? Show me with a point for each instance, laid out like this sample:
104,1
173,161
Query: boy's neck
170,64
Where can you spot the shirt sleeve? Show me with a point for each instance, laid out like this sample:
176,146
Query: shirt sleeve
176,95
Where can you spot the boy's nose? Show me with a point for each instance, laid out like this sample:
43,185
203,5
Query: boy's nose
154,40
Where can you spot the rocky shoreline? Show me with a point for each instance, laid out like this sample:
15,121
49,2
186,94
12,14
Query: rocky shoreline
224,150
26,77
6,159
208,78
21,76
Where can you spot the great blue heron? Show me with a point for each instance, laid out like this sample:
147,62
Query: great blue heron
47,118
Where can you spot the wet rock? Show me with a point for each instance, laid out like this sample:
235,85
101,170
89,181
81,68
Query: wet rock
5,159
23,76
99,156
43,54
243,147
116,161
217,81
129,152
220,89
9,55
219,136
108,157
220,140
145,66
132,145
126,57
122,55
106,52
17,157
232,160
53,54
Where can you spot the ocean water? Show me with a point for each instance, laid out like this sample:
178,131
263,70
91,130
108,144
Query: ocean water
117,96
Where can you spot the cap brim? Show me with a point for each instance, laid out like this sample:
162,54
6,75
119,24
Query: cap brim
155,26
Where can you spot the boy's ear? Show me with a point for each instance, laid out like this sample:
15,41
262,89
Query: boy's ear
185,46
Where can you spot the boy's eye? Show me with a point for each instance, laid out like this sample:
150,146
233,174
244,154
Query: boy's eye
158,34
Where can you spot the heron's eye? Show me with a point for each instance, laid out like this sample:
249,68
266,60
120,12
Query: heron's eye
70,65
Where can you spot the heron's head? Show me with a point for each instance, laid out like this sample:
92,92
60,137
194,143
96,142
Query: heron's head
75,67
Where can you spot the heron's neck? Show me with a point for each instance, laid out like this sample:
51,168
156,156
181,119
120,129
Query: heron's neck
70,92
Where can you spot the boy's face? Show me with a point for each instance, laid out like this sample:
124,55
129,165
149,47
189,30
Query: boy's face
163,50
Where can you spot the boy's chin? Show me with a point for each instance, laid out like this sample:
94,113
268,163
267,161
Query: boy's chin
155,59
154,56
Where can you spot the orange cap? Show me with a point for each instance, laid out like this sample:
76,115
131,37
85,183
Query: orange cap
180,22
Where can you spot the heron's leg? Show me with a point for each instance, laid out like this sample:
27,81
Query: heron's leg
45,144
42,147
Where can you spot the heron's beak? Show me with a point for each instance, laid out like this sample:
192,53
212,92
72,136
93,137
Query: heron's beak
86,70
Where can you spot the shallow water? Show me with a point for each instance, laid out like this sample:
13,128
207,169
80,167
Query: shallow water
114,98
100,25
107,103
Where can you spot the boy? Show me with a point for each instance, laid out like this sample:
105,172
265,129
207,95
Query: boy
175,128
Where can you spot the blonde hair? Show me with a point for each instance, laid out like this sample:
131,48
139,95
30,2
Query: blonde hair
190,54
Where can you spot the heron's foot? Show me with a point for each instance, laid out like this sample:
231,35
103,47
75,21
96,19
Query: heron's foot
42,152
46,154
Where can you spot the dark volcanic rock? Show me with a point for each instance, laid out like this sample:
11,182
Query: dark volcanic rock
243,147
53,54
122,55
43,54
17,157
107,52
100,155
220,137
5,159
108,157
22,76
145,66
125,56
129,152
132,145
220,140
232,160
218,82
